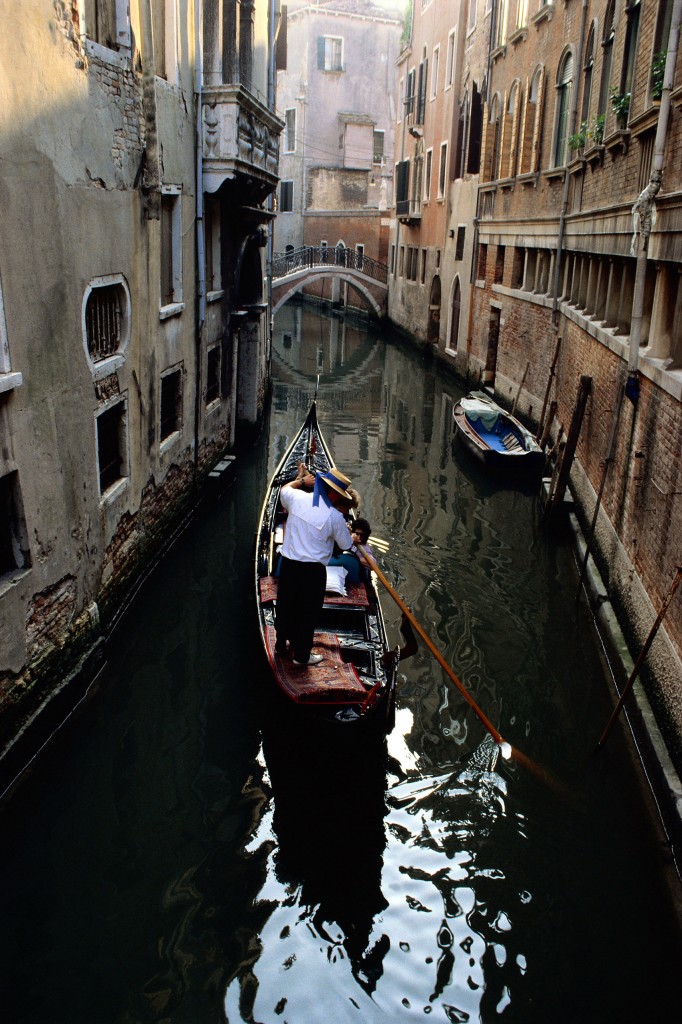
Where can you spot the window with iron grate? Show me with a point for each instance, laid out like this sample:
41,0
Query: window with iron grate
106,322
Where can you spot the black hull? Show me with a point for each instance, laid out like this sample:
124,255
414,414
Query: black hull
354,688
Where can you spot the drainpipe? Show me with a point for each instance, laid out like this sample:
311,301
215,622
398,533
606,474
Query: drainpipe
272,14
200,243
564,198
644,209
152,175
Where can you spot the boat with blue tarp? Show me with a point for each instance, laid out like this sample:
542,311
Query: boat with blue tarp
494,436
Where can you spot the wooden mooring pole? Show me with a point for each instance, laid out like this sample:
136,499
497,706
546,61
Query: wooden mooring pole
548,389
559,491
607,464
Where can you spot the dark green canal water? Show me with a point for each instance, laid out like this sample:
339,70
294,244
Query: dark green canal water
178,855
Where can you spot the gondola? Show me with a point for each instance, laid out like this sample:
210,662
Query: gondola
495,437
355,683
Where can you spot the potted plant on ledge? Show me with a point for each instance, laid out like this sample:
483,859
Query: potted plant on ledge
620,105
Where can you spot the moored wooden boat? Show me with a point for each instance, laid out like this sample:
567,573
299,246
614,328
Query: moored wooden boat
494,436
356,680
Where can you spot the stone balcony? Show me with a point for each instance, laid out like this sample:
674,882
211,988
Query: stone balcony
240,141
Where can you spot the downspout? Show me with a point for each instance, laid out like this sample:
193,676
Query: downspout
200,243
151,186
564,198
643,211
272,14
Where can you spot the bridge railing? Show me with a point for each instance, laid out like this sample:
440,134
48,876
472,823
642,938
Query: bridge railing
310,257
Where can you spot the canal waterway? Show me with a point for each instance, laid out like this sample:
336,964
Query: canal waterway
177,855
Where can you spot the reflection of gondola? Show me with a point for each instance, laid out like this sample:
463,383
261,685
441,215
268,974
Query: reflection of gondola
356,680
495,437
329,813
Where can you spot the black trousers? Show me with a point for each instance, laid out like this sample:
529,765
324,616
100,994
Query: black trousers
300,596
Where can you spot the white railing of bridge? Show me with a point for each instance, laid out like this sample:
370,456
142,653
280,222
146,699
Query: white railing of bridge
315,257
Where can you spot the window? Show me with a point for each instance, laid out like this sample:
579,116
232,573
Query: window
529,150
391,264
402,184
632,12
417,184
111,445
401,260
607,58
330,53
450,60
159,36
360,256
501,22
290,130
482,260
171,247
100,22
8,380
499,264
14,549
588,67
473,161
427,174
412,263
378,157
409,98
459,247
422,272
171,403
213,362
564,84
286,196
509,134
106,320
421,91
442,170
491,147
522,14
434,72
212,244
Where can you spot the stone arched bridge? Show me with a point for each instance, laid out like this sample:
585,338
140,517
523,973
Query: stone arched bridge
292,270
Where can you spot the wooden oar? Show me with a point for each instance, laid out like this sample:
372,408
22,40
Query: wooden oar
504,745
506,749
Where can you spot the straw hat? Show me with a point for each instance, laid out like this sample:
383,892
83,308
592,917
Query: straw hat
335,479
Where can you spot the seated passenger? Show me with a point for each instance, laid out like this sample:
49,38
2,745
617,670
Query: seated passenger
352,560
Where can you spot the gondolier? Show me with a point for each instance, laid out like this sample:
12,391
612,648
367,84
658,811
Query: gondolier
314,524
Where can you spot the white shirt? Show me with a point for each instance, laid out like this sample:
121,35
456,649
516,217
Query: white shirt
311,530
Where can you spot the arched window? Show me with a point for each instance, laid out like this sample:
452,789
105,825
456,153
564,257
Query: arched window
530,126
473,147
564,85
607,58
510,133
495,138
